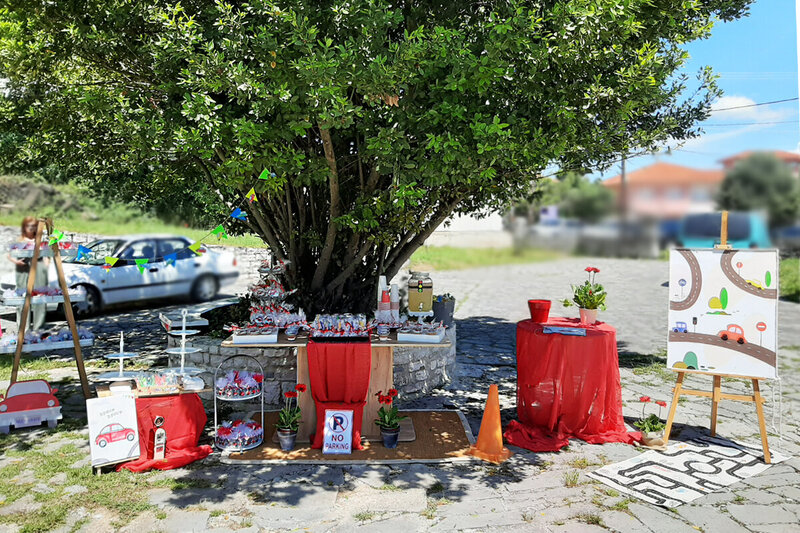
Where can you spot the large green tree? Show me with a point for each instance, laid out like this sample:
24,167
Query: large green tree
761,182
375,119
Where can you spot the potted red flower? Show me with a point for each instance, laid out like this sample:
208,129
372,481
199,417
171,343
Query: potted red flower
589,297
388,418
652,427
289,417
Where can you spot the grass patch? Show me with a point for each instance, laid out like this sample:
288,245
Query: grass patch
436,488
790,279
622,505
364,516
389,487
215,513
571,478
611,493
590,519
581,463
430,258
34,367
122,493
433,505
161,515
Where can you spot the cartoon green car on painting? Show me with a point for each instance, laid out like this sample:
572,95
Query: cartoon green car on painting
734,333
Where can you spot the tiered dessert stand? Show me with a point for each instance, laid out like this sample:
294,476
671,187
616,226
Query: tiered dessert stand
183,370
219,397
120,356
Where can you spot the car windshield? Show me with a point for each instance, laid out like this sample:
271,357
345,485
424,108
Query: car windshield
708,226
98,251
30,387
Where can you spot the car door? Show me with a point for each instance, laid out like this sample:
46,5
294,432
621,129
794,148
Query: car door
124,282
178,277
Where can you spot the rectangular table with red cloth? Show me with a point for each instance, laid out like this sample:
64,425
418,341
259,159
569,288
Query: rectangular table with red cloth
567,387
339,379
184,421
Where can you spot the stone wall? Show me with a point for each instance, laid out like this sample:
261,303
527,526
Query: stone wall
417,371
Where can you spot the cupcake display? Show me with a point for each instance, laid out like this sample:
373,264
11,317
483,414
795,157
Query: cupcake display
239,384
342,325
239,435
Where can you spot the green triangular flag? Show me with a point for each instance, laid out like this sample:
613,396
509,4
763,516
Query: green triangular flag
55,237
219,231
264,174
141,263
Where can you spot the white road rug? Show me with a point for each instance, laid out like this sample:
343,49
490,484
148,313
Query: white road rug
685,471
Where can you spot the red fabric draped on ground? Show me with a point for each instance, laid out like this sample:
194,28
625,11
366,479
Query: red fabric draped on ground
184,421
339,375
567,387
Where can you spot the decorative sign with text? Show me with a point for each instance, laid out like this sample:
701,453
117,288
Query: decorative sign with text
113,429
338,433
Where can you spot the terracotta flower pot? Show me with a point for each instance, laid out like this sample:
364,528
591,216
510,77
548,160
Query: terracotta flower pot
287,438
390,437
588,316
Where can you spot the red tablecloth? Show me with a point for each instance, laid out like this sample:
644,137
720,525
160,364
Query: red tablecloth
339,375
184,420
567,387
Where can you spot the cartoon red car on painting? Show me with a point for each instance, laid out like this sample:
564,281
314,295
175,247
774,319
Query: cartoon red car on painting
734,333
114,433
28,404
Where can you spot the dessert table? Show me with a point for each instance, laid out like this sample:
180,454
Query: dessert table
381,378
567,387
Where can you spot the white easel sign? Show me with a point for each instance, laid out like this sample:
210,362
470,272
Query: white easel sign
338,432
113,429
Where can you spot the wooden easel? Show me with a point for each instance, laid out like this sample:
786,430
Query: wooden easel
46,223
716,393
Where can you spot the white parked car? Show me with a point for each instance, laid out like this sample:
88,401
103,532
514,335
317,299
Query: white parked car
197,276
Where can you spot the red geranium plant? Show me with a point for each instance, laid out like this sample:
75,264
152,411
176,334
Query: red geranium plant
289,416
653,423
589,295
388,415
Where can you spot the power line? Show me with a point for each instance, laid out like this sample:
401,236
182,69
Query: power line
755,105
749,123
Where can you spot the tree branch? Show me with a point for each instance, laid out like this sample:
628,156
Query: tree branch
355,263
330,237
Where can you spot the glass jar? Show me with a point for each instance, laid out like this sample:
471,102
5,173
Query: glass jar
420,293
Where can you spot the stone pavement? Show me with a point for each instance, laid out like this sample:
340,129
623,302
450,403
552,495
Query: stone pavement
531,491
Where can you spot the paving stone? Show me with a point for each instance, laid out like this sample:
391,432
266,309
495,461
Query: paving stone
365,498
184,521
790,492
623,522
658,520
26,504
759,496
58,479
42,488
710,519
776,528
761,514
75,489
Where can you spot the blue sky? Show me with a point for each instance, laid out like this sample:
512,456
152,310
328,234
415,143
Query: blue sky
756,58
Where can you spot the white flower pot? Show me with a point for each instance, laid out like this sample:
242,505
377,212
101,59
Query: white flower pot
653,439
588,316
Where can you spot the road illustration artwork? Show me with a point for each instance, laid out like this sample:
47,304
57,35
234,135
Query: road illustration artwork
723,311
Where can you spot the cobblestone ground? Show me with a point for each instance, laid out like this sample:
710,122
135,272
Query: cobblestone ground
531,491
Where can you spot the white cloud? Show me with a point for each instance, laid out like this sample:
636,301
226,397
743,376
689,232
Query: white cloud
763,113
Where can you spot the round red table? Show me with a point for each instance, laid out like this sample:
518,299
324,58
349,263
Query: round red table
567,387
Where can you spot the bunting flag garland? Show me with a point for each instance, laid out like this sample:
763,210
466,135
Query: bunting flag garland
171,258
219,231
238,214
111,261
196,247
251,195
141,263
55,237
266,174
83,251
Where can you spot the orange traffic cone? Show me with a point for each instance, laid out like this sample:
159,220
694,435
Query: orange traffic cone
490,437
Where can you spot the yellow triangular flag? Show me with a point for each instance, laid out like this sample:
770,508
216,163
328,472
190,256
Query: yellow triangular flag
251,195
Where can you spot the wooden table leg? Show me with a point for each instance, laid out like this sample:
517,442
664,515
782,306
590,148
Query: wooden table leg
308,410
673,406
762,426
715,397
381,379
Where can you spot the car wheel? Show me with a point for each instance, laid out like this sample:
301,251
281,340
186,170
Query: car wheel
130,436
205,288
92,304
740,341
724,337
102,443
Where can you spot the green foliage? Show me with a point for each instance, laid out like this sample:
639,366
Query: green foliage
790,279
376,120
576,197
650,424
289,415
388,417
723,297
761,181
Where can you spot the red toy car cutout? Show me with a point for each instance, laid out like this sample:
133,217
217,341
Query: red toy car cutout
114,433
27,404
734,333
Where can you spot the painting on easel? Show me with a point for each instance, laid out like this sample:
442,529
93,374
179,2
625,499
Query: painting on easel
723,312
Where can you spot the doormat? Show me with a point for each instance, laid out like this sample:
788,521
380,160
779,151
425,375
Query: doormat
685,471
441,436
